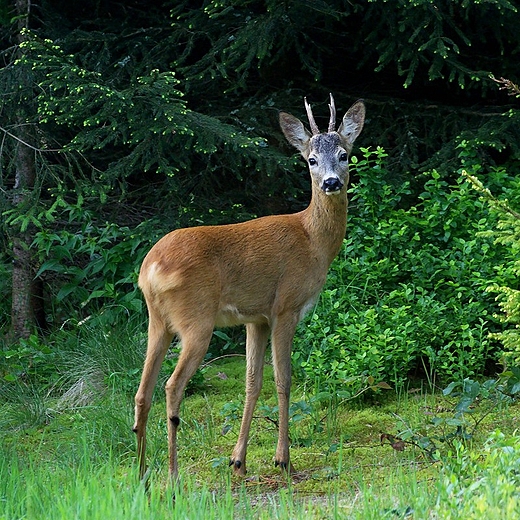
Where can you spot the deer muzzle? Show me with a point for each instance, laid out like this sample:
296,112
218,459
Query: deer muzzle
331,185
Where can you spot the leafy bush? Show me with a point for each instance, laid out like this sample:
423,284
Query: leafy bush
89,266
482,484
506,233
459,418
408,291
31,358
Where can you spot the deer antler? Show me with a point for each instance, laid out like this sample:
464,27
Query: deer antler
312,123
332,122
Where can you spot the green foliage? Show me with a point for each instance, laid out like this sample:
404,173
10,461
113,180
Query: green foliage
420,40
103,113
30,359
507,233
263,35
409,289
484,483
436,37
459,419
88,266
93,264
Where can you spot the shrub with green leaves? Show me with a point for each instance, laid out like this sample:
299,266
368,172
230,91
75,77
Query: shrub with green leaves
408,291
482,484
507,234
89,267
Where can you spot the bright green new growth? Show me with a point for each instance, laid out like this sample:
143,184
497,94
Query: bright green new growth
506,233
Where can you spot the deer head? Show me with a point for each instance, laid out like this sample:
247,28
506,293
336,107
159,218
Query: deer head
326,153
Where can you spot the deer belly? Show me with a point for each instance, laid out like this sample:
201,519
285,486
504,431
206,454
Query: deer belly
229,315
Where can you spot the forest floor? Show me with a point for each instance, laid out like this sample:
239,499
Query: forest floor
406,454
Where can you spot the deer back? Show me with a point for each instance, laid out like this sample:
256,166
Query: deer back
253,271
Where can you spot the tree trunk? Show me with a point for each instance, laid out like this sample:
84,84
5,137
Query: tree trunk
22,316
24,287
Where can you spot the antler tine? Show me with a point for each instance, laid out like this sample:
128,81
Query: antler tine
312,123
332,122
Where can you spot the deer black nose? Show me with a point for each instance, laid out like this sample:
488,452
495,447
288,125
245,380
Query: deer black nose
331,184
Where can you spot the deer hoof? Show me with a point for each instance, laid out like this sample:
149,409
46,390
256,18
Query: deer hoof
238,467
284,466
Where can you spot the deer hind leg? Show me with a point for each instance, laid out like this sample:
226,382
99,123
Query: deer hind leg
159,340
195,342
282,338
256,342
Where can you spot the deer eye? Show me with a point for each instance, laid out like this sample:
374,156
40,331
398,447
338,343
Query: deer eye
343,156
313,161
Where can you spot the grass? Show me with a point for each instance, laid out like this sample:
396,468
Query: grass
67,450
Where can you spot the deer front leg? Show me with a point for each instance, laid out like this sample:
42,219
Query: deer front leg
158,342
256,342
283,334
195,343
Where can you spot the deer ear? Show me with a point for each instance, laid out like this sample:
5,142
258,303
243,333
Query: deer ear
353,122
294,131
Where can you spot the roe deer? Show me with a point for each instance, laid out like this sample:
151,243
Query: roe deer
265,273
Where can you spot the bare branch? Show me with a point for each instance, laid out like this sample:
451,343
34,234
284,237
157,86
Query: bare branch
41,150
506,84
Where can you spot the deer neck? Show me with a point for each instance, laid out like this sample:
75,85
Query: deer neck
325,221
